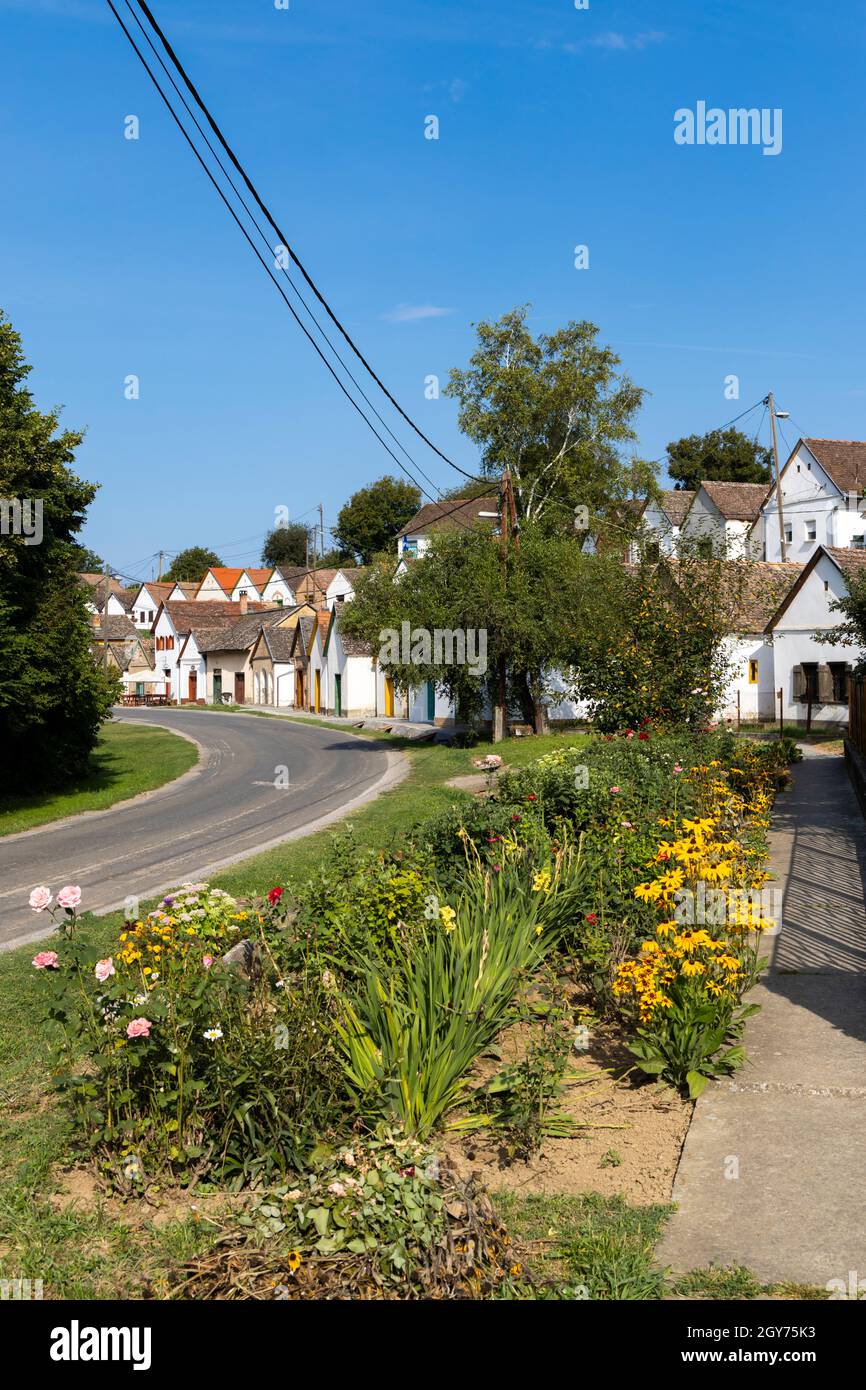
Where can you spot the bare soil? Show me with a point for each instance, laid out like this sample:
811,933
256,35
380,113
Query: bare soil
630,1143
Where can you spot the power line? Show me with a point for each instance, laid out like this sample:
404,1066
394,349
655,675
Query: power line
190,85
258,254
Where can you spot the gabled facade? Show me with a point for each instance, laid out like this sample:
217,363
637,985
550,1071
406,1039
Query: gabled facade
146,601
823,485
721,517
807,667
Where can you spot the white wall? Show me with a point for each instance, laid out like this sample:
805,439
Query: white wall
211,591
808,494
794,641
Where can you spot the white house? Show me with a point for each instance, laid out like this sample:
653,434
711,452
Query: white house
721,516
281,586
145,603
414,538
661,522
807,668
823,484
341,588
751,690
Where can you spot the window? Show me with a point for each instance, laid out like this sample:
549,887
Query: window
811,530
341,598
810,673
651,550
410,547
789,532
753,671
839,673
859,542
242,593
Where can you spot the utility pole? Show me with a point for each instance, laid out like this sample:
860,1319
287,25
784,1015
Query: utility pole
783,545
159,577
507,528
321,532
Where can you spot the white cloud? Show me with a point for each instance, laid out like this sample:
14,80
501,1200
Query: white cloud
411,313
615,42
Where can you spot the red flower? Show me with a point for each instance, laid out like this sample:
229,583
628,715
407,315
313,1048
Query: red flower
643,736
532,797
274,896
591,917
515,816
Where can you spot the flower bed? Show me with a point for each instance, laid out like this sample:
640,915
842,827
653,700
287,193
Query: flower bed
579,891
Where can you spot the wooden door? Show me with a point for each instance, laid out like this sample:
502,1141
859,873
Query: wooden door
318,704
193,684
217,687
431,701
239,687
389,697
338,695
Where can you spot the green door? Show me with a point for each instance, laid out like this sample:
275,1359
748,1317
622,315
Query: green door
338,695
139,687
217,687
431,701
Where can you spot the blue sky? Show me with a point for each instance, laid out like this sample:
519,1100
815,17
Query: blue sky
556,128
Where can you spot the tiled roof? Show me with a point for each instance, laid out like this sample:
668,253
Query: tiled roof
847,558
843,459
279,642
259,577
758,595
119,627
737,501
188,614
236,636
225,577
434,516
675,503
158,589
355,646
97,581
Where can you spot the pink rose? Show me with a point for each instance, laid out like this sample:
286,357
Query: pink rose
614,790
138,1028
70,896
207,962
103,969
40,898
46,960
677,769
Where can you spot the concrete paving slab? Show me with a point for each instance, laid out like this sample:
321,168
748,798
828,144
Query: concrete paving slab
773,1170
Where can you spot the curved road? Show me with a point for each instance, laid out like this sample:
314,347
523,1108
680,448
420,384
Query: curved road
226,808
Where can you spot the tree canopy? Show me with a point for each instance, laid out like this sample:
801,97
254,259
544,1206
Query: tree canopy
727,456
369,521
192,563
286,546
556,412
53,697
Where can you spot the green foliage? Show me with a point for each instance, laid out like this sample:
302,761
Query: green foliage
53,697
368,523
192,563
659,654
287,546
719,456
409,1037
555,411
378,1198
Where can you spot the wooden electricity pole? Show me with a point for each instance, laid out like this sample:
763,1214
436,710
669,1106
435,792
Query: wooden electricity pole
783,545
508,530
105,621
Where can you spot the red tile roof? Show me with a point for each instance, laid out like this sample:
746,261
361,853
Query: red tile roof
843,459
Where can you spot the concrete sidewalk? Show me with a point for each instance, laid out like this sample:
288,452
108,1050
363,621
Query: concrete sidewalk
792,1124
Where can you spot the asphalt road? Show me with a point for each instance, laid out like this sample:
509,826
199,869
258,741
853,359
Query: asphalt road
226,808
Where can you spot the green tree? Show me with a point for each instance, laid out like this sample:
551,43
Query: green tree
514,607
659,655
287,546
556,413
53,697
369,521
723,456
192,563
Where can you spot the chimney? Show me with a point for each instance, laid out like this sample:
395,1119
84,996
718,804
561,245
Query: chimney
243,603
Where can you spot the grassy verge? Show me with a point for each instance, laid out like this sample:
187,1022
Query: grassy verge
127,760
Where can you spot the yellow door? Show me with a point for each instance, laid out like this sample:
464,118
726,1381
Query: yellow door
318,691
389,697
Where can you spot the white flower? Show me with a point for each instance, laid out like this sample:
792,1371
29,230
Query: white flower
213,1034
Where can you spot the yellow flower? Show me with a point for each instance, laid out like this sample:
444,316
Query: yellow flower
541,883
448,915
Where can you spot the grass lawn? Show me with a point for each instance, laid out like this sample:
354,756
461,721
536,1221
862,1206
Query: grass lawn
127,760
